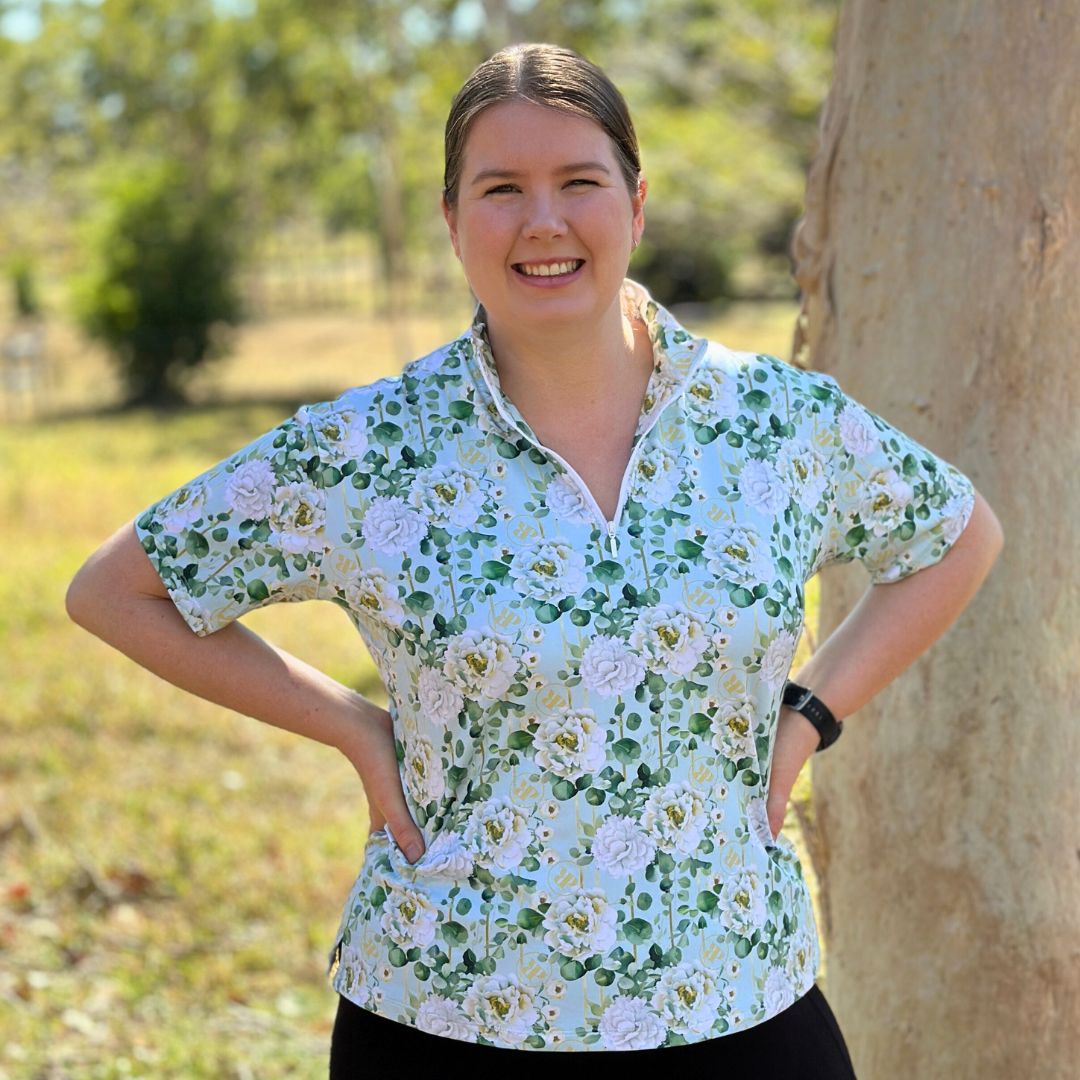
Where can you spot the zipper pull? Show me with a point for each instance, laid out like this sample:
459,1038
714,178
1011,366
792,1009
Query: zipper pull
612,542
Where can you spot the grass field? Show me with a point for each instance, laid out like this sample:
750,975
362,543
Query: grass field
171,872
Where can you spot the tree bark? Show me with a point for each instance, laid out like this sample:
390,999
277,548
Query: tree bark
939,259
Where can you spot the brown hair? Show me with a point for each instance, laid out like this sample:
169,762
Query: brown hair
546,75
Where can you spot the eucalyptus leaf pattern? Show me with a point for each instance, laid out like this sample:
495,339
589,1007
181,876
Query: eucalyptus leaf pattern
585,708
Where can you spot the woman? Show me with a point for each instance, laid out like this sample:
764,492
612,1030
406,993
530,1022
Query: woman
574,541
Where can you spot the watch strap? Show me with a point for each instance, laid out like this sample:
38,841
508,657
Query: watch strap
805,701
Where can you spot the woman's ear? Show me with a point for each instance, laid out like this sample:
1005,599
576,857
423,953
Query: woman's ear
638,203
450,214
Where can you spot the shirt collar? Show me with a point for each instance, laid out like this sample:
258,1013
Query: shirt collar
676,353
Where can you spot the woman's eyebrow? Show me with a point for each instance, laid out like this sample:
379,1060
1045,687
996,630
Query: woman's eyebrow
577,166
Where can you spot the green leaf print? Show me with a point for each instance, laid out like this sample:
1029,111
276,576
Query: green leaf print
257,590
420,601
455,933
197,544
529,918
687,549
638,931
571,970
608,571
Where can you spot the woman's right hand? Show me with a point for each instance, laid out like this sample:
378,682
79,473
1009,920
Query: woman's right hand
370,749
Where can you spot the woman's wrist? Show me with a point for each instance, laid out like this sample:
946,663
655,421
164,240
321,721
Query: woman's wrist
808,735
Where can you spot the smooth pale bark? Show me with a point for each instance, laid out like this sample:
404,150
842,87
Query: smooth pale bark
939,262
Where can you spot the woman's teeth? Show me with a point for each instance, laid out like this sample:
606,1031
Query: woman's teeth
552,270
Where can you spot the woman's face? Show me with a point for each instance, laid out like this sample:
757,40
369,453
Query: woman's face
561,197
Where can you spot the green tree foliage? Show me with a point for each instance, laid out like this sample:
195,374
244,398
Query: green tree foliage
337,109
158,288
20,270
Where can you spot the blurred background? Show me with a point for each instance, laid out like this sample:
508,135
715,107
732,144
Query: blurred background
210,213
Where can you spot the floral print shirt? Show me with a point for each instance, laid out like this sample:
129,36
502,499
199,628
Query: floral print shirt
584,710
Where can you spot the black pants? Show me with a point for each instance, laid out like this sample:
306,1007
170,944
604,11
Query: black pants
801,1043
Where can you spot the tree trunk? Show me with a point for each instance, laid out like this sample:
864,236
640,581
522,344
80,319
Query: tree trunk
938,259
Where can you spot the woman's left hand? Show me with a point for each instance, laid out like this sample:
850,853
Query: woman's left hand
796,741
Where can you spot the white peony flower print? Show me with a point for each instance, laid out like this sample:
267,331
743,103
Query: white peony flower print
580,924
340,434
249,491
671,639
423,770
762,487
711,395
689,997
502,1009
757,818
664,379
776,660
570,743
802,958
481,664
440,700
369,592
392,526
676,816
742,902
566,500
880,502
733,728
356,975
656,476
622,847
548,570
609,666
858,433
184,507
441,1016
629,1024
804,471
192,611
738,553
957,512
779,991
409,917
446,858
498,833
448,495
298,518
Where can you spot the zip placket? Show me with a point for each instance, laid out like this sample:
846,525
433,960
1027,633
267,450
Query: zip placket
610,527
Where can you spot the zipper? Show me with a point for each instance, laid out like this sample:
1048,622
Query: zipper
610,527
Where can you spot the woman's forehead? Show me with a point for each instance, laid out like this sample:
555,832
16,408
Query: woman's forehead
515,134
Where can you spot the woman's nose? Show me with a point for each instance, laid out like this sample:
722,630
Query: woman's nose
543,217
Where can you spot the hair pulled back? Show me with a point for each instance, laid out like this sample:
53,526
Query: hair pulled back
546,75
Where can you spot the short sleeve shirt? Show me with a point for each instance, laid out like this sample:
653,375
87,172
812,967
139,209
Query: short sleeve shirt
584,709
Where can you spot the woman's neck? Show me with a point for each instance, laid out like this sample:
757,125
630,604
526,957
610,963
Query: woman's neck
577,369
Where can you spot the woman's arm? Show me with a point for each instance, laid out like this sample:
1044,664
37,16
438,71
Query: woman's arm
891,626
119,597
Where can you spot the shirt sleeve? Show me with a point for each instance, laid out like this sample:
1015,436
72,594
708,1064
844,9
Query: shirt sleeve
248,532
892,503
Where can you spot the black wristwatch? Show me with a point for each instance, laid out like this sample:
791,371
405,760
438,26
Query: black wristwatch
815,710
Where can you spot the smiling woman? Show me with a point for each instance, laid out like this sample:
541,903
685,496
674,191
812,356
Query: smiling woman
575,541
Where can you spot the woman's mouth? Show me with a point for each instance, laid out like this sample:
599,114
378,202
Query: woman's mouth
545,275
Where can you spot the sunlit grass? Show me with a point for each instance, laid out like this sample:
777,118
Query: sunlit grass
172,872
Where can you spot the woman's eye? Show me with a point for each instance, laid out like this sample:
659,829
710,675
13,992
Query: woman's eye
505,187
